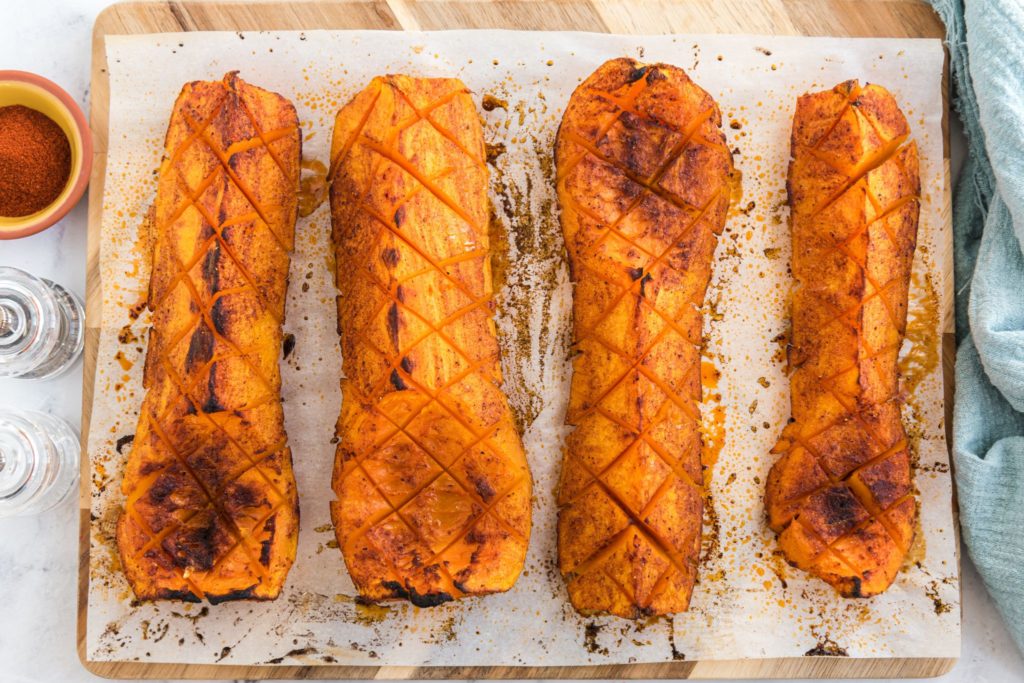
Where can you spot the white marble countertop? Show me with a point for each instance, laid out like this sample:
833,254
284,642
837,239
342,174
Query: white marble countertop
38,555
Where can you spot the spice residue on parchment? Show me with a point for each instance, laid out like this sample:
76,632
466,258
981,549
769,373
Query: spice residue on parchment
918,362
590,634
527,253
712,426
313,186
490,103
923,344
712,433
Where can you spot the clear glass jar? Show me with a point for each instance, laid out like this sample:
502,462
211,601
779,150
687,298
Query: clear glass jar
39,457
42,326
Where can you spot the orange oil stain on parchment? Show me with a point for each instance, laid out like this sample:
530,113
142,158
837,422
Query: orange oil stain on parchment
712,418
312,186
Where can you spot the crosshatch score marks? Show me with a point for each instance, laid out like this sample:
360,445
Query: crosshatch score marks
841,496
644,181
433,489
211,509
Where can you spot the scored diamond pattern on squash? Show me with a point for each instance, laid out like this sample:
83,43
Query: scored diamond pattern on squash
441,506
643,478
207,495
837,447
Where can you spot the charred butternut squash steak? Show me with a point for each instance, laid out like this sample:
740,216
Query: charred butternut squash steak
644,183
841,496
432,485
211,509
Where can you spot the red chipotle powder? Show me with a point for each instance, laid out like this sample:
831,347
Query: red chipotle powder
35,161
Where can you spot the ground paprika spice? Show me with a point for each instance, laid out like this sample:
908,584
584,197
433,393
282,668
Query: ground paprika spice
35,161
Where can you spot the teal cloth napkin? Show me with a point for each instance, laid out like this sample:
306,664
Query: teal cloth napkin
986,44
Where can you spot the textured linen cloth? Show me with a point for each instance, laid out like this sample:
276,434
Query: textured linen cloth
986,44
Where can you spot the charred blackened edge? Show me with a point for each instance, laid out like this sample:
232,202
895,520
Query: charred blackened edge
854,588
416,598
184,595
638,72
649,72
243,594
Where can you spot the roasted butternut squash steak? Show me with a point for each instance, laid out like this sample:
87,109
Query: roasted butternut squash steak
644,183
211,509
841,496
433,488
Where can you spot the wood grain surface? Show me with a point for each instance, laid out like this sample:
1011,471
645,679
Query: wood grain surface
849,18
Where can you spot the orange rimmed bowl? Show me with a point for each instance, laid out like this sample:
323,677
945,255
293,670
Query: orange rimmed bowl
41,94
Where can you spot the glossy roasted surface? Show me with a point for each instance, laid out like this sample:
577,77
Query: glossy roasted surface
644,182
432,483
841,496
211,509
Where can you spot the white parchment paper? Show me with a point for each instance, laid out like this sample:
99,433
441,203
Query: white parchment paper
748,603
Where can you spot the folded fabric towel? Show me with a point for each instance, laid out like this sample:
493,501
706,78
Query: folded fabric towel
986,44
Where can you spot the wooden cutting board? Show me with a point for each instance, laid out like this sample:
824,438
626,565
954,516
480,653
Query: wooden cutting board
851,18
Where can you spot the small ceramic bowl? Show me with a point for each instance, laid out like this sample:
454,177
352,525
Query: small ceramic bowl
36,92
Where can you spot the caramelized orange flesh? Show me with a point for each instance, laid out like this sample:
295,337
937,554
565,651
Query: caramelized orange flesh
841,496
644,183
432,485
211,509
